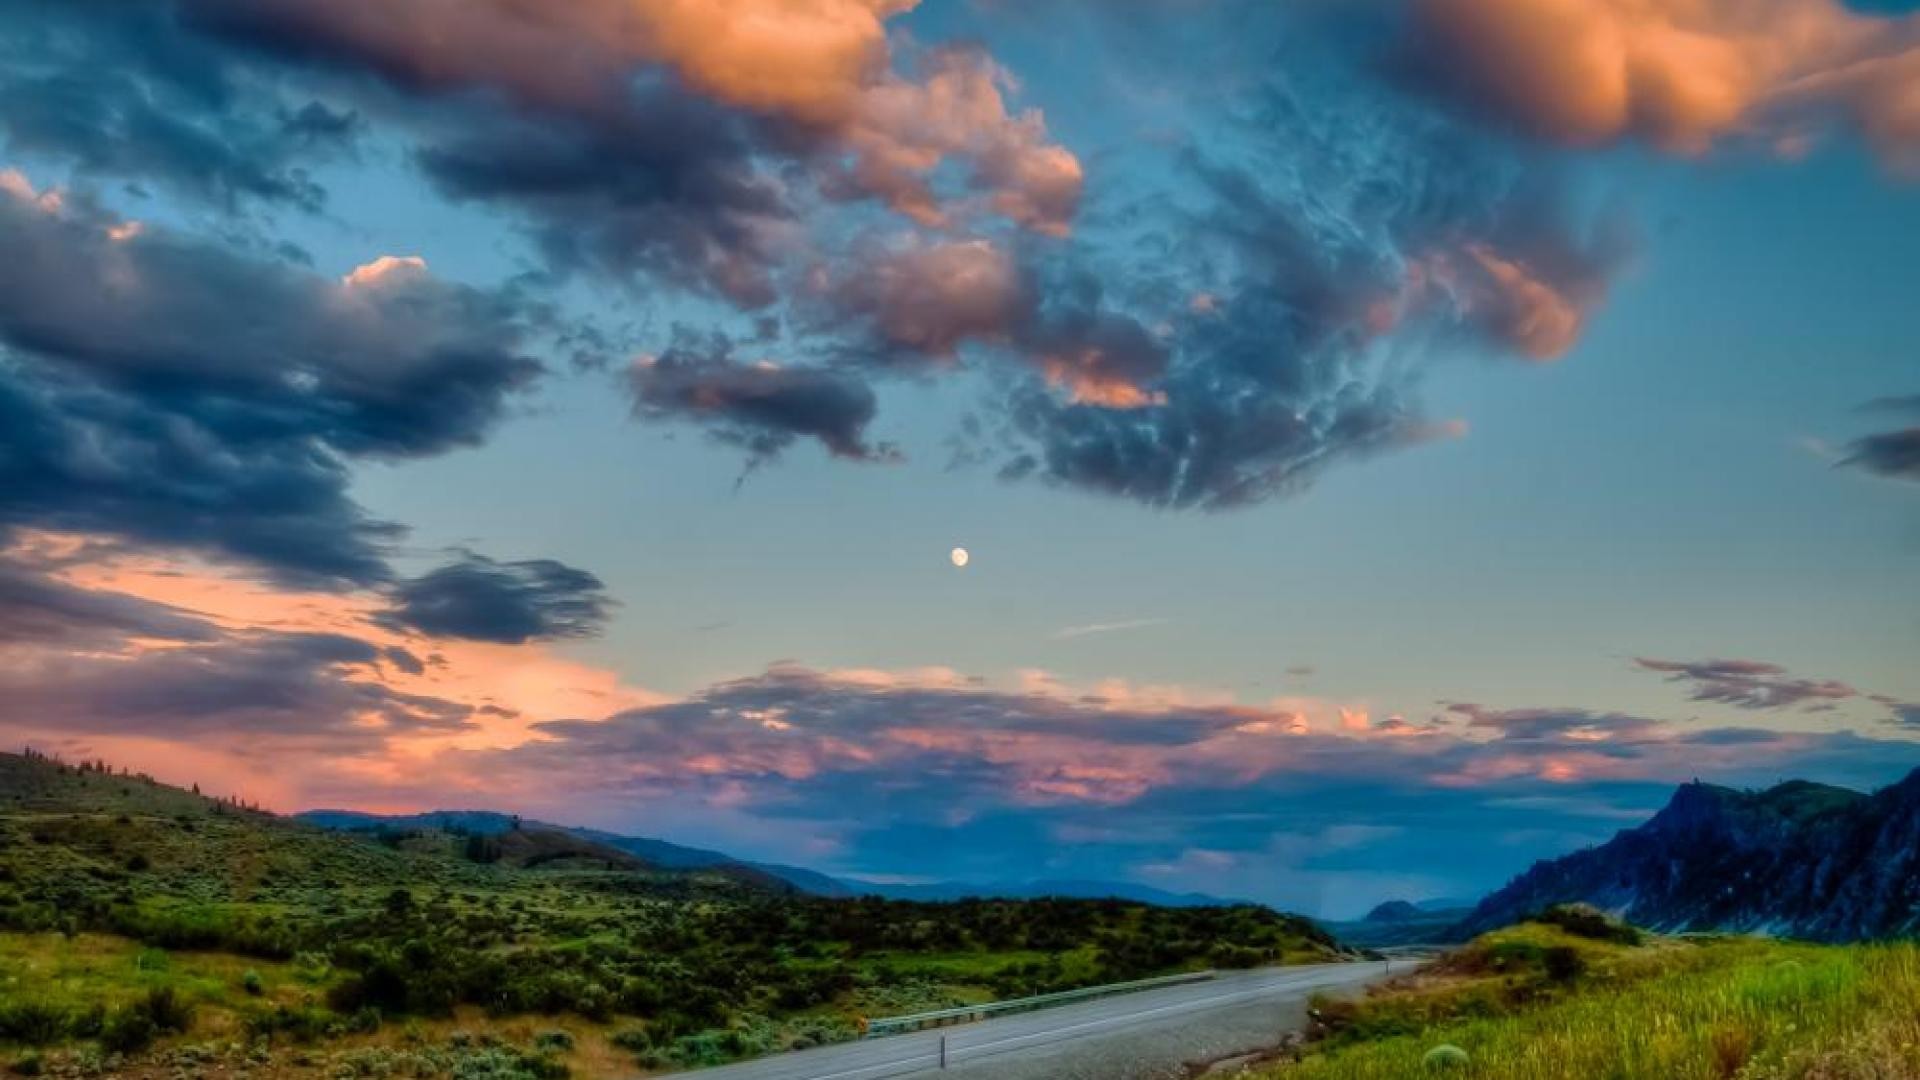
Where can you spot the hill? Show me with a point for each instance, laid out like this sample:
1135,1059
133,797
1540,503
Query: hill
1401,922
1798,860
1574,997
186,932
1045,888
487,836
668,855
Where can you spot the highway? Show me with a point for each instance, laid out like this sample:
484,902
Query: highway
1065,1041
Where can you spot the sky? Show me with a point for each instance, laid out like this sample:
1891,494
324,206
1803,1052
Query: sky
1394,441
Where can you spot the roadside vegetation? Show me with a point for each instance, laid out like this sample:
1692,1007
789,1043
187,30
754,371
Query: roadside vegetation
146,930
1574,996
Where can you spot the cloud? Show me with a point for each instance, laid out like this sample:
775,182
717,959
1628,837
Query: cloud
86,661
1334,242
508,603
176,660
666,190
1748,684
46,612
1892,453
762,407
823,77
920,302
118,91
137,402
1051,779
1067,633
1679,74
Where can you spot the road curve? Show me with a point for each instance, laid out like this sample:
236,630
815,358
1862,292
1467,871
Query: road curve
1161,1029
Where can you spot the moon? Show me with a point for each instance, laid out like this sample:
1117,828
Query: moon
960,556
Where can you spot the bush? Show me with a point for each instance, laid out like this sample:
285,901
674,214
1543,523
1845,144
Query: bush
250,982
28,1064
127,1031
164,1010
1445,1058
1587,921
1563,963
35,1023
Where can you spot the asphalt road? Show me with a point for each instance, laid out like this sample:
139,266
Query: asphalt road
1160,1028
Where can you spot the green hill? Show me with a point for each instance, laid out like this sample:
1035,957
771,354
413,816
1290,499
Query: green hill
1576,996
148,922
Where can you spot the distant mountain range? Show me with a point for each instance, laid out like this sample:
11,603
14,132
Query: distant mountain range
1800,860
671,856
1401,922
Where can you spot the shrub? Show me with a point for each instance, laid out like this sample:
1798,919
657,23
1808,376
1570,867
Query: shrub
250,982
634,1039
164,1010
1444,1058
553,1040
1563,963
127,1031
28,1064
1587,921
35,1023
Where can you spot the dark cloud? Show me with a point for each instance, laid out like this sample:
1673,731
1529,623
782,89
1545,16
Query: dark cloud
508,603
82,661
915,305
41,610
404,660
761,407
1892,453
1606,732
119,90
1748,684
1346,231
81,458
244,686
1232,347
165,388
667,190
643,126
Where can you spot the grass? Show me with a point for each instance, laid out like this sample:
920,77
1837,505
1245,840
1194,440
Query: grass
1694,1009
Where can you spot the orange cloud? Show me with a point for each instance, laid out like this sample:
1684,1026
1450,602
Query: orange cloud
510,687
1680,74
828,65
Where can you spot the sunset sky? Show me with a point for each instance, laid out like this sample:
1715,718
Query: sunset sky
1395,441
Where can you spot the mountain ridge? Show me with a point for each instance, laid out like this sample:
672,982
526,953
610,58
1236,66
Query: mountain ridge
671,856
1799,859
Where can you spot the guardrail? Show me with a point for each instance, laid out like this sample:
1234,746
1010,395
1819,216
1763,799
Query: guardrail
965,1014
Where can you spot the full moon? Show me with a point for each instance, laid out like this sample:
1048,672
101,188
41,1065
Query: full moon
960,556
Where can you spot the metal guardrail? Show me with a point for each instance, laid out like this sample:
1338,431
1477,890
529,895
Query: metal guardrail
894,1025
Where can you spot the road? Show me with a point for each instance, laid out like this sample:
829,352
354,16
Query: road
1146,1034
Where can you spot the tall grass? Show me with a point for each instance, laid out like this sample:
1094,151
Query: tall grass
1750,1010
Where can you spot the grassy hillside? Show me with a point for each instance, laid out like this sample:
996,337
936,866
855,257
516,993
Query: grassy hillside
147,928
1583,1000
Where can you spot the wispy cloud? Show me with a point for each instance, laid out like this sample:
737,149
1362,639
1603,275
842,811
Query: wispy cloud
1067,633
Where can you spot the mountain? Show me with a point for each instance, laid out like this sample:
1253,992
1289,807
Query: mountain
671,856
1799,860
1401,922
1392,911
644,850
1072,889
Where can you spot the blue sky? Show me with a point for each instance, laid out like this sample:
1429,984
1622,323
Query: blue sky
1384,461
